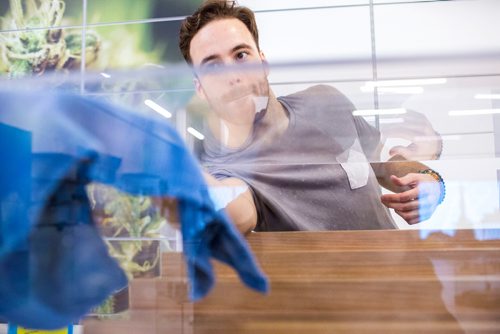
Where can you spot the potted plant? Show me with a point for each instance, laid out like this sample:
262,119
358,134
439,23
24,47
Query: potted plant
131,228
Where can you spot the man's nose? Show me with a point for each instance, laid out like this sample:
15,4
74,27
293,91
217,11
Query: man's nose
233,75
235,80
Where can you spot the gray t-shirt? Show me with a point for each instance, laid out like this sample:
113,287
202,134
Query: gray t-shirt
314,176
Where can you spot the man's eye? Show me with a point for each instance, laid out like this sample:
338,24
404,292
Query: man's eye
242,55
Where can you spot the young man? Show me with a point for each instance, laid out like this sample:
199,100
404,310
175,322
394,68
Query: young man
301,161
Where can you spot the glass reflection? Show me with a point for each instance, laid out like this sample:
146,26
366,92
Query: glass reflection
309,145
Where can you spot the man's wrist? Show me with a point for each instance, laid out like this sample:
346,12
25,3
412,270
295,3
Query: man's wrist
439,179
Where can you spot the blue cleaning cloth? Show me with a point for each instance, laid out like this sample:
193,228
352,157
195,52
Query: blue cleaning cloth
54,266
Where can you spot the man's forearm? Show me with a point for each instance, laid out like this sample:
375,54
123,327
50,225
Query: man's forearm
397,166
241,209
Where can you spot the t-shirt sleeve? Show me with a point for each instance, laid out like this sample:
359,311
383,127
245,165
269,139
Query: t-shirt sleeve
369,138
319,99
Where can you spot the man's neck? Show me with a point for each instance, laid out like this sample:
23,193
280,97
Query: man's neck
276,117
232,135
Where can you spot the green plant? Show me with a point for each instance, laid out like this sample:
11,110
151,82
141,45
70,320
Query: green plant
33,42
131,226
134,220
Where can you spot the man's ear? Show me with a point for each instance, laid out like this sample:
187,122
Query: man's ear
264,62
199,89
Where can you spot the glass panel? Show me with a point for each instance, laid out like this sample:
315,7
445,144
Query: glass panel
51,54
381,2
316,34
367,192
131,10
431,39
282,5
146,44
450,259
348,88
24,14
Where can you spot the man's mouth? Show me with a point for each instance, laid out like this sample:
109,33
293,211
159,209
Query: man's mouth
238,94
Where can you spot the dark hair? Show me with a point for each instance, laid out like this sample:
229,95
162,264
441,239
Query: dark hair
210,11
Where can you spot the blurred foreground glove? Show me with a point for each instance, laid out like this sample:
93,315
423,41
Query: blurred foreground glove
54,267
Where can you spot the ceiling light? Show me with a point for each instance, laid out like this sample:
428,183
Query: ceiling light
473,112
391,120
159,109
373,112
196,133
487,96
408,82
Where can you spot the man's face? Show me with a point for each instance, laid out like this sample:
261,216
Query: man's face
234,92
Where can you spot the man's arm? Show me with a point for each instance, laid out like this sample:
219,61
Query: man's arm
425,142
242,209
416,194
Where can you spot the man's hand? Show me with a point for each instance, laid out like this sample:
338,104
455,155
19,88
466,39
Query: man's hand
418,199
426,143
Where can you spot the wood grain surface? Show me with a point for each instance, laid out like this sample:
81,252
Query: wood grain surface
332,282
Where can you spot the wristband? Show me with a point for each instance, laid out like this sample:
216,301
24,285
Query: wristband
438,178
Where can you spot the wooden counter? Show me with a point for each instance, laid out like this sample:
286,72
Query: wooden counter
333,282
